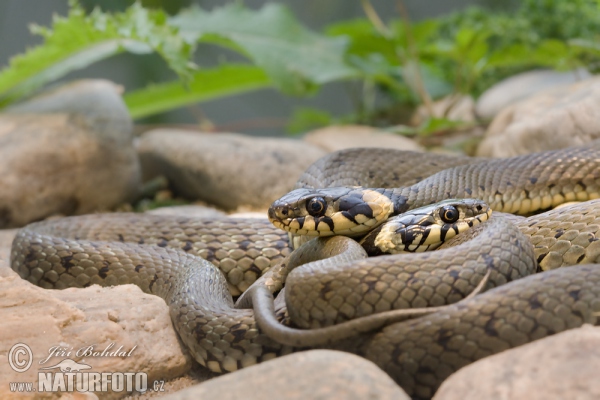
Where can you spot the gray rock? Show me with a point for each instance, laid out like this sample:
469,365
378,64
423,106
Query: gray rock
563,366
555,119
227,170
67,151
339,137
521,86
309,375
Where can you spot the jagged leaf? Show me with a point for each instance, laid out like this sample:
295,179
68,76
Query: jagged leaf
79,40
294,57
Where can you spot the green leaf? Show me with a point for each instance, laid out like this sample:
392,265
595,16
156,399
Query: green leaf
429,127
295,58
226,80
364,40
79,40
306,118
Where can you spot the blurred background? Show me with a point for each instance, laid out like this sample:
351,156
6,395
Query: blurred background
263,112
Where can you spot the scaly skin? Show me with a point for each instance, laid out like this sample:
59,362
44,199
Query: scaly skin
225,339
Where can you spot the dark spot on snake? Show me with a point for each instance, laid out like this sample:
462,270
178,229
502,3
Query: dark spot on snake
325,220
443,337
87,284
255,269
444,232
468,191
29,257
188,246
245,244
350,201
238,335
152,282
324,290
141,241
498,193
489,327
48,281
581,257
121,238
138,267
371,175
533,180
162,243
66,262
534,303
300,221
370,285
541,257
577,313
481,187
574,294
592,239
550,186
103,272
526,193
509,183
349,216
401,202
583,186
454,273
559,233
424,369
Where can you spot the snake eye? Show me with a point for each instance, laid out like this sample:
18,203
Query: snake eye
316,206
449,214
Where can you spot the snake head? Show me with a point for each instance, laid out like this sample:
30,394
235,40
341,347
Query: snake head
331,211
426,228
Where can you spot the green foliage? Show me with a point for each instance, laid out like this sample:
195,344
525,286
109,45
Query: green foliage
206,85
295,58
79,40
306,118
398,63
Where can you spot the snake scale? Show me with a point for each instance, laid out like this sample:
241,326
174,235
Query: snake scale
160,254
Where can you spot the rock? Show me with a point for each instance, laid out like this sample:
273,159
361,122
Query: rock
455,108
78,318
563,366
6,238
555,119
192,211
315,374
227,170
334,138
521,86
67,151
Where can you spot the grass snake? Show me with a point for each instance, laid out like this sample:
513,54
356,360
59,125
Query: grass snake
160,254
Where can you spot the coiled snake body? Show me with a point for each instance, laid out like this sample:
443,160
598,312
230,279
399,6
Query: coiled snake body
159,255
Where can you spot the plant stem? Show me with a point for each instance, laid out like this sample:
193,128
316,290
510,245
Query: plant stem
375,20
414,57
